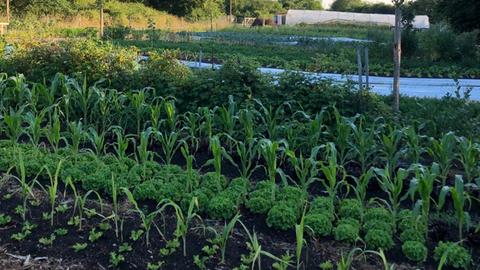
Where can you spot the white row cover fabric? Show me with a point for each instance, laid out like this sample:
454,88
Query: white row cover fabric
294,17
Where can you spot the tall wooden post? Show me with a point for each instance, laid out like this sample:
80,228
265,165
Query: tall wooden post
8,11
102,21
397,55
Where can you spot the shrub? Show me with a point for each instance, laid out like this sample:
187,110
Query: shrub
412,234
377,225
379,214
346,232
351,208
293,196
322,205
238,189
320,225
221,207
376,239
456,255
213,183
259,205
415,251
282,216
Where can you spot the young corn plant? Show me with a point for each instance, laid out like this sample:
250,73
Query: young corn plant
192,129
122,142
414,144
34,128
170,112
84,97
192,179
268,150
316,129
221,239
345,262
97,140
423,184
361,185
170,142
218,153
469,156
26,188
53,131
139,106
184,219
332,171
247,153
52,188
383,257
300,240
306,169
246,119
363,146
391,150
392,184
342,133
13,121
256,250
143,154
443,152
206,127
228,118
77,135
270,119
460,198
148,220
156,114
81,201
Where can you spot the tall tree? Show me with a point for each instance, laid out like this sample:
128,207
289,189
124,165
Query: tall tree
397,54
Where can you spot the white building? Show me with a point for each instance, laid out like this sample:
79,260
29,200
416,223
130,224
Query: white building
294,17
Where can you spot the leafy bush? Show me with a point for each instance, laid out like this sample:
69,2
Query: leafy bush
293,196
378,214
347,232
376,239
319,224
282,216
351,208
221,207
213,183
322,205
412,234
377,225
260,200
415,251
456,255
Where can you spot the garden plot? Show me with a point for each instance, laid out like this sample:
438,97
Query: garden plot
412,87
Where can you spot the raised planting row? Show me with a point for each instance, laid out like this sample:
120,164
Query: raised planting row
124,180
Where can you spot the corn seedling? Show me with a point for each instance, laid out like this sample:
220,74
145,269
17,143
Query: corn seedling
392,184
413,140
443,152
391,150
342,133
331,170
138,102
306,169
13,120
459,197
423,184
222,238
97,140
183,219
26,188
268,150
361,185
192,179
469,156
34,128
80,201
170,144
143,154
148,220
247,153
52,189
383,257
77,134
300,239
256,251
363,145
345,262
246,119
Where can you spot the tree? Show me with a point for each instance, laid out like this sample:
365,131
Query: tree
345,5
463,15
101,5
397,54
302,4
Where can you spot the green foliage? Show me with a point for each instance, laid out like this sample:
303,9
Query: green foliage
347,231
379,239
282,216
412,234
221,207
455,255
318,224
351,208
322,205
